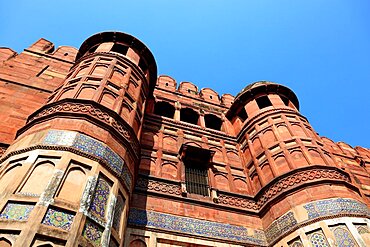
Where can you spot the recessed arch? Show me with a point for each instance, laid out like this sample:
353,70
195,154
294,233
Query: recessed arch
73,184
5,242
39,178
164,109
8,176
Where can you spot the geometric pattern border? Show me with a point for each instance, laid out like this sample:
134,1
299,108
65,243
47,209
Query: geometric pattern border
195,227
90,146
280,226
335,206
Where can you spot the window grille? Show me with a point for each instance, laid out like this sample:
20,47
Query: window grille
196,180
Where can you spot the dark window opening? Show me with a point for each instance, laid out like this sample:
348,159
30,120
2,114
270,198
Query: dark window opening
242,114
164,109
93,49
143,66
119,48
188,115
263,102
196,162
212,122
285,100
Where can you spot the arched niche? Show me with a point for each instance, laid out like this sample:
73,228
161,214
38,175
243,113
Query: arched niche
240,185
73,185
298,158
137,243
87,92
148,165
108,99
169,170
170,143
281,164
8,176
222,183
5,242
268,138
39,178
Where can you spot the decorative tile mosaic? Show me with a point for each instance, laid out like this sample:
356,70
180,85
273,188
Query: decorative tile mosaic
296,243
120,204
318,239
280,226
335,206
90,146
100,198
93,232
343,237
195,227
362,228
58,218
58,137
16,211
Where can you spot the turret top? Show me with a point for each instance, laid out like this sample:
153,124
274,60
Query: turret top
127,40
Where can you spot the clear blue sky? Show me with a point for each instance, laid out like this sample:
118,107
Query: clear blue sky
318,48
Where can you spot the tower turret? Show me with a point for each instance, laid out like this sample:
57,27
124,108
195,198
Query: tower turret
73,164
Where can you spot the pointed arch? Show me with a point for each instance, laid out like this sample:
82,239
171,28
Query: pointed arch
38,178
73,185
5,242
8,176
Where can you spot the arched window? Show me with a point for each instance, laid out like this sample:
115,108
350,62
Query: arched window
212,122
39,178
73,185
164,109
189,115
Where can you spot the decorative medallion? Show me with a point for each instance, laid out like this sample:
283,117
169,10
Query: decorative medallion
16,211
58,218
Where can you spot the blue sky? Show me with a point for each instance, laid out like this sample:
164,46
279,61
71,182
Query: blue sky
320,49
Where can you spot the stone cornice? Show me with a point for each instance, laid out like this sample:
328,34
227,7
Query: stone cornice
100,160
91,111
287,183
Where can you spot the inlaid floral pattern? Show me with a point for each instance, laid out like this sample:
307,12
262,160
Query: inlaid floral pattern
58,218
16,211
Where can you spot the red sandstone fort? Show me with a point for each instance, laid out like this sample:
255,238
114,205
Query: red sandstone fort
97,150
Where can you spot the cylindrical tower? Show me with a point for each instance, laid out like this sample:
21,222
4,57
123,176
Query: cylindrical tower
293,176
68,177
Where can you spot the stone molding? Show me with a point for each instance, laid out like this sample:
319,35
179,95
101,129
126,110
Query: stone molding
72,143
298,178
147,184
100,115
